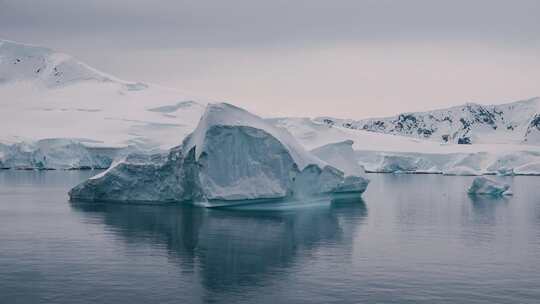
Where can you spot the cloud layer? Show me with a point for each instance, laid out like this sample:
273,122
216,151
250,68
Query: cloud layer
369,57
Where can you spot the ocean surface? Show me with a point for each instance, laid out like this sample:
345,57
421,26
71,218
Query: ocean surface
410,239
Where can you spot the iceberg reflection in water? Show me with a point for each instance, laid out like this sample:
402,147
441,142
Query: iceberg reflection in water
231,248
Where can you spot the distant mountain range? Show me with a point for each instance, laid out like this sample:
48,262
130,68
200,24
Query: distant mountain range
470,123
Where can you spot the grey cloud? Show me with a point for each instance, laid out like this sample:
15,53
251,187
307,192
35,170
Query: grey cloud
249,22
350,58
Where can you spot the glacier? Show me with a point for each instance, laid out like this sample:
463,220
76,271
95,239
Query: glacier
55,153
486,186
231,156
45,94
478,163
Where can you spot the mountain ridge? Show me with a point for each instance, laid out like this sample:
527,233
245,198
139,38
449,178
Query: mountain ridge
462,124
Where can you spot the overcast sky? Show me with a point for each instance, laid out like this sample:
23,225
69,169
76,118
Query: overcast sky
354,59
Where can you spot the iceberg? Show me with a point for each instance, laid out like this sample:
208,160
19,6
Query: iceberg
486,186
231,156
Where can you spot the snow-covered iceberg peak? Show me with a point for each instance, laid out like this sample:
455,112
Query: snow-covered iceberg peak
231,156
486,186
225,114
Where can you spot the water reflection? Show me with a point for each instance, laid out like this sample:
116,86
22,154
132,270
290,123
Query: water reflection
481,215
232,249
484,207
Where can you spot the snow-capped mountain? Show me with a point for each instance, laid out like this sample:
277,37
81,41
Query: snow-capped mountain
58,112
470,123
45,94
22,62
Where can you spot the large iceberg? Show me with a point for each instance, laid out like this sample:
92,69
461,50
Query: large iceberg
231,156
486,186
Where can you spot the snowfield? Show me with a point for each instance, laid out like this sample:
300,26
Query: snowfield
386,153
44,94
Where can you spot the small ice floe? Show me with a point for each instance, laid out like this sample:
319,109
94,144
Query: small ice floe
486,186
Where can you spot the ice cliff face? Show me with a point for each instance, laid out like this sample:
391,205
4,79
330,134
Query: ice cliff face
479,163
470,123
50,154
232,155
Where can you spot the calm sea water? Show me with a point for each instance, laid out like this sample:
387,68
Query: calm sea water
412,239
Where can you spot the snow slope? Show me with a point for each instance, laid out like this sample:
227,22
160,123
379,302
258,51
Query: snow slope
313,133
379,152
45,94
340,155
231,156
224,114
515,122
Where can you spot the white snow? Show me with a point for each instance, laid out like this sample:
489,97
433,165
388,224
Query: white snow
340,155
312,134
224,114
461,170
68,99
55,154
506,163
487,186
379,152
